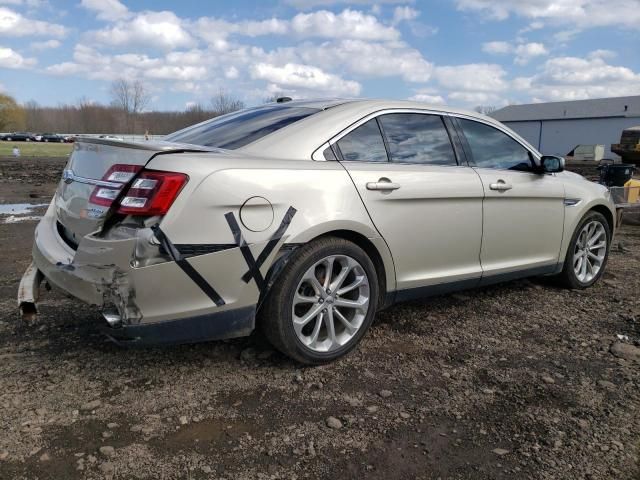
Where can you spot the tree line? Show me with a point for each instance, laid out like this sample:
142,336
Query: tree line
127,113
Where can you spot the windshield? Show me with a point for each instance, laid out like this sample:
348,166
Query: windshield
238,129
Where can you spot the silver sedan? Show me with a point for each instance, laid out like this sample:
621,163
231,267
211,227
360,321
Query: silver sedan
304,218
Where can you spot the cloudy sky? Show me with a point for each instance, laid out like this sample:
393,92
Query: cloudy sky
459,52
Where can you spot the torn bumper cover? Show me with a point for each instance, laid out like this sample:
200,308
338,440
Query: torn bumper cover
28,293
155,304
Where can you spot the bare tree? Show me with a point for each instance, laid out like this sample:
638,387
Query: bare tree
131,97
485,109
223,102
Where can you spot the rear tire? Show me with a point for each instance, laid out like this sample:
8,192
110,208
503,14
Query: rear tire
314,319
587,253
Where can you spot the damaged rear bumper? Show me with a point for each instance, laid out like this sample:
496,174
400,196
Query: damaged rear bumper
216,326
142,305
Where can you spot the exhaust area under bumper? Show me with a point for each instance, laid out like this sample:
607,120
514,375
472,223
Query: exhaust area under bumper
238,322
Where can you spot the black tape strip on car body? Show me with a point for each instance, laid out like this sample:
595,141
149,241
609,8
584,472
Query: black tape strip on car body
245,250
273,241
187,268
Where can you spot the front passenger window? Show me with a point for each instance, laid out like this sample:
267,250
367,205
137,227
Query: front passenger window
491,148
364,144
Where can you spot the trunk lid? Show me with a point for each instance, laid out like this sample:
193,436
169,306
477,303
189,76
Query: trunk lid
90,161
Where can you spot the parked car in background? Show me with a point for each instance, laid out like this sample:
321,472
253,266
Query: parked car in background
305,218
19,137
51,137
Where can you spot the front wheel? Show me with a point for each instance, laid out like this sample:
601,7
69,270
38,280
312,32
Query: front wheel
323,302
588,252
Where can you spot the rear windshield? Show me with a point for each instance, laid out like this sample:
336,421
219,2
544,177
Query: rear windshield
238,129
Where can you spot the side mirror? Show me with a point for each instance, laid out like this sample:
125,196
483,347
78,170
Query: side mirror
551,164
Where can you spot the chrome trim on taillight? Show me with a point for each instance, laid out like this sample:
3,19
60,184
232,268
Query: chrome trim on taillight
68,177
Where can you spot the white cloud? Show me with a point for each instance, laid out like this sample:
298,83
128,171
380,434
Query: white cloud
177,66
602,53
523,52
526,51
580,14
427,95
572,78
497,48
13,24
11,59
472,84
65,69
107,9
28,3
369,59
474,98
474,77
231,73
404,13
162,30
297,77
176,72
45,45
347,24
306,4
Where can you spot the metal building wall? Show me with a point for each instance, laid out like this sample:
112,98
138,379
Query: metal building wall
559,137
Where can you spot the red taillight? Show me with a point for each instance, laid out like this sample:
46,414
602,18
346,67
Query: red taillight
118,175
152,193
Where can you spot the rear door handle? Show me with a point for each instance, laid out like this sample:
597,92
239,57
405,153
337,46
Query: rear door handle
384,184
500,186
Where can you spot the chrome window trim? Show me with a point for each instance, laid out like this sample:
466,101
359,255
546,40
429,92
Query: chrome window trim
318,154
500,128
336,138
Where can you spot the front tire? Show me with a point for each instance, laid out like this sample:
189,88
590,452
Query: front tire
588,252
323,302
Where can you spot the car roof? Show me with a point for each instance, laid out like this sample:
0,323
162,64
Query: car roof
378,104
302,138
317,103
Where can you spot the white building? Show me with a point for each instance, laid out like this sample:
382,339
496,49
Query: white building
556,128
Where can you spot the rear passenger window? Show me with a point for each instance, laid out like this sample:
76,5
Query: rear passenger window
364,144
417,138
492,148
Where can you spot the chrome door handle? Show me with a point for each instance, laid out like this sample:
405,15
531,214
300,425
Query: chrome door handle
384,184
500,186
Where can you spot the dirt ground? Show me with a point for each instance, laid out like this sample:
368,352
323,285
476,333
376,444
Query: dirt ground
521,380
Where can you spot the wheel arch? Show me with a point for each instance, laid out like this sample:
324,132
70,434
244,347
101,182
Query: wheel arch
372,251
383,264
606,212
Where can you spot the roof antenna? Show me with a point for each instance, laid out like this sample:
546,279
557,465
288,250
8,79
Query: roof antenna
283,99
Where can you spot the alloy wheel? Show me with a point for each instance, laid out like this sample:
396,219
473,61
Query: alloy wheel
330,303
590,251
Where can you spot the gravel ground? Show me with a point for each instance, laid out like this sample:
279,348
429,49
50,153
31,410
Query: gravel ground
521,380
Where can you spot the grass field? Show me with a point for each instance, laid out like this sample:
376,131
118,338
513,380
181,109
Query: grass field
36,149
